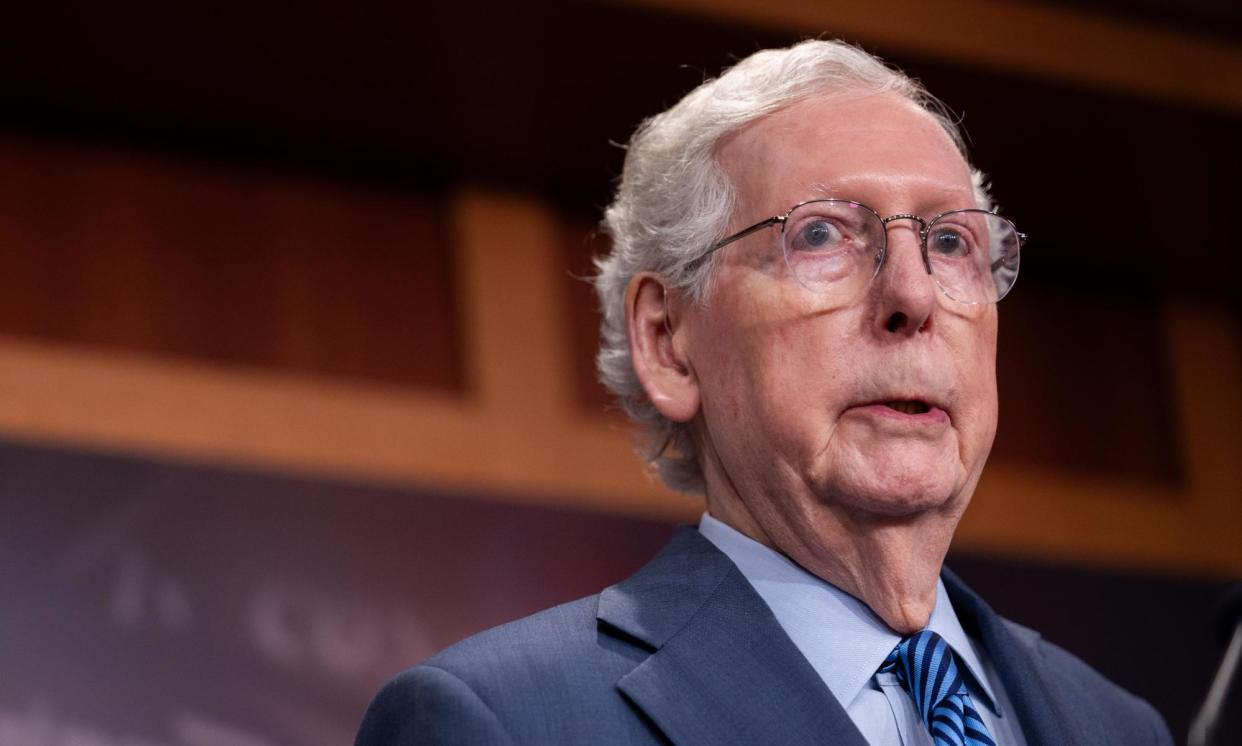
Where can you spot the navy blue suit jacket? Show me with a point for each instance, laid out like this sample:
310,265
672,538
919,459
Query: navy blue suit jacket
686,652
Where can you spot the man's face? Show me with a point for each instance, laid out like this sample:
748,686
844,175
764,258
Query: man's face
795,419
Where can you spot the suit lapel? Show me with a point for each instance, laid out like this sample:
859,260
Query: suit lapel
721,668
1040,699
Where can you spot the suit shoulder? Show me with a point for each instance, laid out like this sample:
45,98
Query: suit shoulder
548,635
548,678
558,650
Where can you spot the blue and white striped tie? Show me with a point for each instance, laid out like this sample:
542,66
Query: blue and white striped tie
924,664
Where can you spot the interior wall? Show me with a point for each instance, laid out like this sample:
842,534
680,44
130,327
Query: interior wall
292,282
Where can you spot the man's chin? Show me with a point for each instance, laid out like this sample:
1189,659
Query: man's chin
897,506
893,494
892,478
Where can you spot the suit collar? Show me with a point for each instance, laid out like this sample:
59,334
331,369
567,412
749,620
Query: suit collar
721,670
805,605
656,602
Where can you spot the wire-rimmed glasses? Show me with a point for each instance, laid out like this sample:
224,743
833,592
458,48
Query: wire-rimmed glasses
836,247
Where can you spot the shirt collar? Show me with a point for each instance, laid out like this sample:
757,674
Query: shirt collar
945,623
844,641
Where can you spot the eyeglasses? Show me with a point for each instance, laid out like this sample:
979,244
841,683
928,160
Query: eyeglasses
836,247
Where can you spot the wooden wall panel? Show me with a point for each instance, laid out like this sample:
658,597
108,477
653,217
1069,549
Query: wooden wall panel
582,241
222,265
518,426
1084,386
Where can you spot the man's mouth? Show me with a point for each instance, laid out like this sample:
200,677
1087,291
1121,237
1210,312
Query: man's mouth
909,406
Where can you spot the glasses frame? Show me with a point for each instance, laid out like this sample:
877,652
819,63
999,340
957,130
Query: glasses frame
925,226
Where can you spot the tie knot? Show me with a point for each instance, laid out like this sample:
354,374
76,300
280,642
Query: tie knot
926,668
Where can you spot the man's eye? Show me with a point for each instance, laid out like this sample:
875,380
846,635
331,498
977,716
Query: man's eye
818,234
949,242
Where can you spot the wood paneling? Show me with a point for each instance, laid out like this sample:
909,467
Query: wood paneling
583,242
514,430
518,430
224,265
1084,386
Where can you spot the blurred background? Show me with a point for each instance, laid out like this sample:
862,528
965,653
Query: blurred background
296,380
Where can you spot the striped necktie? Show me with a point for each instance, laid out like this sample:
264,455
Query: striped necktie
926,669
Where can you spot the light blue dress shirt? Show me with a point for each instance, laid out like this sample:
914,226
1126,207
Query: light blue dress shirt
846,643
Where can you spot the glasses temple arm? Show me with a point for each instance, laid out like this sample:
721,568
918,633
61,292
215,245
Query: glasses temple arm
745,232
1021,242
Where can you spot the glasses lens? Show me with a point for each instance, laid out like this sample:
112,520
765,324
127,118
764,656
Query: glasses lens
831,246
973,255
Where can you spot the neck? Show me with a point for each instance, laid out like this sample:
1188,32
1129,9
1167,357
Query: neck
892,567
890,564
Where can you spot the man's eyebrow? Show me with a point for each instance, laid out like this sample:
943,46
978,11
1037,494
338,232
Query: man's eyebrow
821,189
943,200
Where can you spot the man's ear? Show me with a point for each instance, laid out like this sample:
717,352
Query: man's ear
666,376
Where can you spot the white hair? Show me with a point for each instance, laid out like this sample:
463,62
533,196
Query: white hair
674,201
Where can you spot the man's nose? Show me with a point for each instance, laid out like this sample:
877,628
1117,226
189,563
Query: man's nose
905,294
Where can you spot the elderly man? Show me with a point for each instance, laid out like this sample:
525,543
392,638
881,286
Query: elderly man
800,309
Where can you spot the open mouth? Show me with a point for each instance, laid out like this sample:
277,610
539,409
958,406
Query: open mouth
909,406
